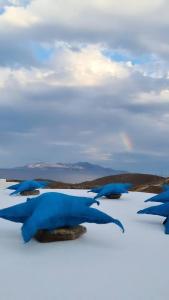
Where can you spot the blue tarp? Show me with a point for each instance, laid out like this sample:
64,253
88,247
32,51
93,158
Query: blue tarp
162,197
114,188
159,210
99,188
55,210
28,185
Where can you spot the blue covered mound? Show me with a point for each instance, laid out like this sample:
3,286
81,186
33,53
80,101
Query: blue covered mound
28,185
113,188
99,189
162,197
159,210
54,210
165,187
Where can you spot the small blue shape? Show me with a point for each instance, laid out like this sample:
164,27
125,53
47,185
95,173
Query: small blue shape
100,188
13,187
162,197
55,210
159,210
113,188
28,185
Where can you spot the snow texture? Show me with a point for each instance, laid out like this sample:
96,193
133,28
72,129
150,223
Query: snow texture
102,264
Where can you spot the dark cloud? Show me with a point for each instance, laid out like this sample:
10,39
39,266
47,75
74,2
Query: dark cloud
39,122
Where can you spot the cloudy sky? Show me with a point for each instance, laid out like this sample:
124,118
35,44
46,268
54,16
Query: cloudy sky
85,81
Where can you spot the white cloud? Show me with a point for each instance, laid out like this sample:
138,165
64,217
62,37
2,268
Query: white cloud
154,97
17,16
87,67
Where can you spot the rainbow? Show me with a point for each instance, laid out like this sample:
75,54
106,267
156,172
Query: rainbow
126,140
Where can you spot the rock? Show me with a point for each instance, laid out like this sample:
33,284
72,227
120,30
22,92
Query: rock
60,234
114,196
30,193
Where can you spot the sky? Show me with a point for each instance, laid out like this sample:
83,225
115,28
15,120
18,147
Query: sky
85,81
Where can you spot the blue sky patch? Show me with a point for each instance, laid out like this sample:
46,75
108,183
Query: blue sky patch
122,57
42,53
2,10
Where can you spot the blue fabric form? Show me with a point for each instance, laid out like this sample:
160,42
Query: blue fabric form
165,187
55,210
114,188
162,197
28,185
13,187
100,188
159,210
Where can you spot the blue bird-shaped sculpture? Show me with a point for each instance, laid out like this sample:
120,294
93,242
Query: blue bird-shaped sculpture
162,197
16,186
55,210
114,188
159,210
28,185
100,188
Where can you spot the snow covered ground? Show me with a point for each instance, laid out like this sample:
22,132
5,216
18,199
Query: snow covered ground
103,264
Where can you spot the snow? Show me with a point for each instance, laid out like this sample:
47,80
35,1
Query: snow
103,264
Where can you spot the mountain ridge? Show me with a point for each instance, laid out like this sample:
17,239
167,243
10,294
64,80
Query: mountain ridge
65,172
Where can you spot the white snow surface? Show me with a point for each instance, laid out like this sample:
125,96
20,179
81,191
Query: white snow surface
103,264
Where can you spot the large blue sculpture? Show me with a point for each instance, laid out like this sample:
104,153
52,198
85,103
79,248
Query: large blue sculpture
113,188
100,188
55,210
28,185
162,197
159,210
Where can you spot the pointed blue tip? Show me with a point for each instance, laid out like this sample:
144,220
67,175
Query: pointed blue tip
118,223
13,193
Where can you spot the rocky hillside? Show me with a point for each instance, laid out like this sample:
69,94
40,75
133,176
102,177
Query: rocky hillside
141,182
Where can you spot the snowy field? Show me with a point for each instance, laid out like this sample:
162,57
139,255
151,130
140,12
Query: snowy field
103,264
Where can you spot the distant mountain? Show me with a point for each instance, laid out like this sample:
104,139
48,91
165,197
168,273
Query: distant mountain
72,173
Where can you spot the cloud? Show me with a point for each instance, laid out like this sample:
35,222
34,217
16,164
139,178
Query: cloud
134,27
84,81
17,16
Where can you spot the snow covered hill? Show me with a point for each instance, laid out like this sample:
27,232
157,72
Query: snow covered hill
103,264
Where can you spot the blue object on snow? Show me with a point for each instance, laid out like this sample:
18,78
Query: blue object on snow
159,210
55,210
113,188
96,189
165,187
100,188
162,197
28,185
13,187
16,186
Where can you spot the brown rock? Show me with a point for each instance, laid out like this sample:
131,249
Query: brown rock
114,196
60,234
30,193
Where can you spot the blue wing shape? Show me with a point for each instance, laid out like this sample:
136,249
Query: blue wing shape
162,197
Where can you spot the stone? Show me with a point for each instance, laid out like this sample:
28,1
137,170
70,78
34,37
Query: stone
60,234
114,196
30,193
